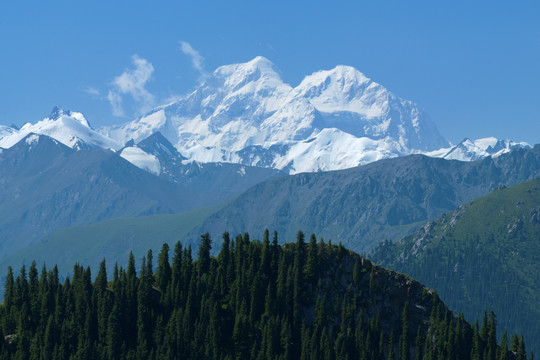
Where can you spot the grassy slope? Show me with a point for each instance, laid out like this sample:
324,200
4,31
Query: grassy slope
112,239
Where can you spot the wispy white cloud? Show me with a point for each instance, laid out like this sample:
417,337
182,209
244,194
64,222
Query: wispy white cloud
116,103
90,90
197,61
133,82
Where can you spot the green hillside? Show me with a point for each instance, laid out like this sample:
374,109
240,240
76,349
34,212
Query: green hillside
483,255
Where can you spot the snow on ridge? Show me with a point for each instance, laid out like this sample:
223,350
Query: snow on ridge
137,130
342,89
69,128
333,149
32,139
142,159
471,150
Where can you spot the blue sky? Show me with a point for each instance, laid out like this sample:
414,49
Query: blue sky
474,66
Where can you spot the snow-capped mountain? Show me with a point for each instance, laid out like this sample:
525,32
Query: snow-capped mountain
245,113
68,127
470,150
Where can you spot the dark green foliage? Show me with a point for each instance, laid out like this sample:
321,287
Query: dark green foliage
255,300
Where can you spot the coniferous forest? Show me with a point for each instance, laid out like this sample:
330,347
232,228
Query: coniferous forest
254,300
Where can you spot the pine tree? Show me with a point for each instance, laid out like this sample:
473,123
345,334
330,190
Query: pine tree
204,254
163,273
404,338
391,354
504,347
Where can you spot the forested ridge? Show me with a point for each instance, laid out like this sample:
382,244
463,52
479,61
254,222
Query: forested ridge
483,254
254,300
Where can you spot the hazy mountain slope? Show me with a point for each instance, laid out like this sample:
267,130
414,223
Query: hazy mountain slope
45,185
483,255
362,206
112,239
219,181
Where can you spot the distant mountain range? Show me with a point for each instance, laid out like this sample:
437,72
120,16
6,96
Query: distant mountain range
245,114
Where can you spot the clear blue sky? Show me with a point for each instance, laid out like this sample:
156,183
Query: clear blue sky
473,65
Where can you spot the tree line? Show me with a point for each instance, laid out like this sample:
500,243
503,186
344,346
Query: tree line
254,300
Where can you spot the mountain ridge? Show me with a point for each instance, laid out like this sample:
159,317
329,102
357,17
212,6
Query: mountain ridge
246,114
362,206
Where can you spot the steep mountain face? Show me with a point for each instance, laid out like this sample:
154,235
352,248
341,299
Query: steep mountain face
362,206
483,255
245,113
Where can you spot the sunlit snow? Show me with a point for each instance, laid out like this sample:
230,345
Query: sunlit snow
141,159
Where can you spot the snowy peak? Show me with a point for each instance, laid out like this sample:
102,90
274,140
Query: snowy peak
246,114
471,150
334,90
57,114
68,127
259,70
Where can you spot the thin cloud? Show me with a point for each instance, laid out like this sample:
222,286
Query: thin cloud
133,82
92,91
197,61
116,103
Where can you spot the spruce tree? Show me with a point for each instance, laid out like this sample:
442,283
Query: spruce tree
163,272
204,254
404,338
